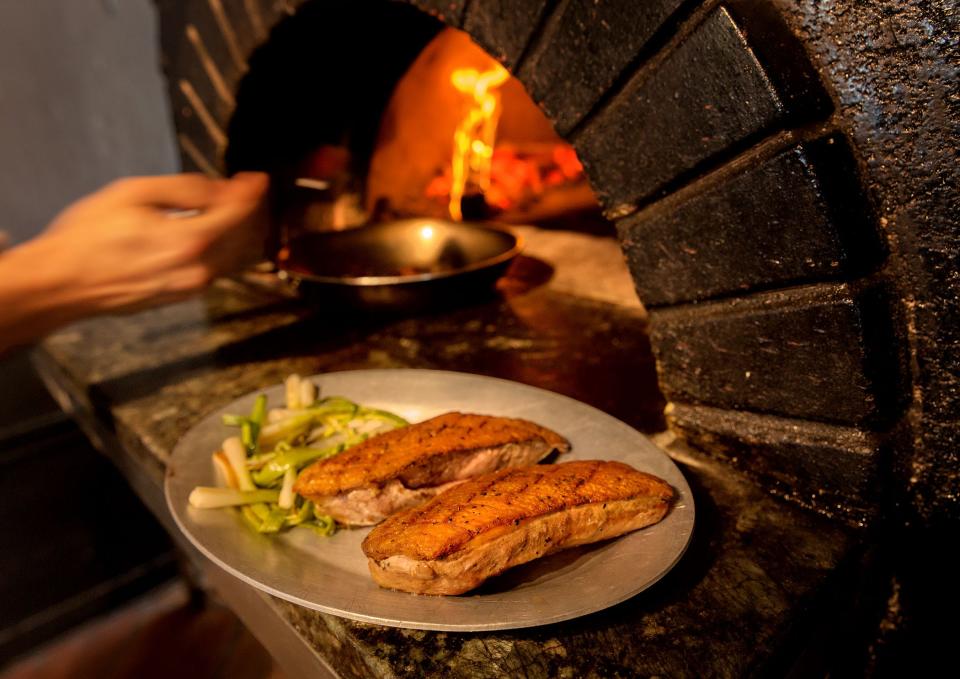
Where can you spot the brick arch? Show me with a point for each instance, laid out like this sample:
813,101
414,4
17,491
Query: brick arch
710,142
731,168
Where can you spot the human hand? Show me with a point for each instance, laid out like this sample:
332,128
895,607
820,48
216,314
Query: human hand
123,247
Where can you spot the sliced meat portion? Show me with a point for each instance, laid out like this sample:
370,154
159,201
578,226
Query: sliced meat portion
488,524
367,506
407,466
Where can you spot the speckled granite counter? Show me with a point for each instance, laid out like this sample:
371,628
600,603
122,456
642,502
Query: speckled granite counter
742,600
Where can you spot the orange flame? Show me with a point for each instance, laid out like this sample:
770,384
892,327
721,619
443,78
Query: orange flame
475,134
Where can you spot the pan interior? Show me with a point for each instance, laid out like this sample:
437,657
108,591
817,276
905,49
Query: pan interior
410,249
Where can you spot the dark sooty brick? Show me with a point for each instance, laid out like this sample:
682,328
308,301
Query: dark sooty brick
449,12
784,58
830,468
179,55
790,219
708,95
820,353
584,47
503,27
189,125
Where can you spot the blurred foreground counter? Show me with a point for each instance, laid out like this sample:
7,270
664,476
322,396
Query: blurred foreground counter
761,590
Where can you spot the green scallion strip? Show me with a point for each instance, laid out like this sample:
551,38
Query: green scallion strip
295,458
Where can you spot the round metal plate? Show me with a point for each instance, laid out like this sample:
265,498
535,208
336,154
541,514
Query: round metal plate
330,574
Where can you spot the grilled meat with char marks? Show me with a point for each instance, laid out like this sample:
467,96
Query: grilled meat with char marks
408,466
484,526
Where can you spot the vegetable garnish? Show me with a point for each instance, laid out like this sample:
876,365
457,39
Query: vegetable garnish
259,467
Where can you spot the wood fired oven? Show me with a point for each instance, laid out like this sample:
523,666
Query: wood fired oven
775,172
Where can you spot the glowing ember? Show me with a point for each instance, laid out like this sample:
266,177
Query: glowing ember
507,176
474,136
518,176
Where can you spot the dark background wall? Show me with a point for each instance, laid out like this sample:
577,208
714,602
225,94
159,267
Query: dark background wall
81,103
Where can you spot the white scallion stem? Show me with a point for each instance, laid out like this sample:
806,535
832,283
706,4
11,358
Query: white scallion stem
237,456
204,497
286,492
223,471
308,393
278,415
292,386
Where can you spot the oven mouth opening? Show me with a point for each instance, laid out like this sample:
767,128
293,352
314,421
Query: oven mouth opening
418,122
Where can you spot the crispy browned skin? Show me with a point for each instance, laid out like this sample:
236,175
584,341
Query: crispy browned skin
416,455
488,507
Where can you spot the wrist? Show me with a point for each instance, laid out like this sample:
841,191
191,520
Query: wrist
38,294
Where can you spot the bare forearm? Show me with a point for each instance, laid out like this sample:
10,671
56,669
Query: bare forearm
119,250
35,297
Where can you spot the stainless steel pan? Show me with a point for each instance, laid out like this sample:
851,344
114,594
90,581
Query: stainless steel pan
409,264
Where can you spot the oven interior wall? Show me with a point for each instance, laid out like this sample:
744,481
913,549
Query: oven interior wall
323,79
416,137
